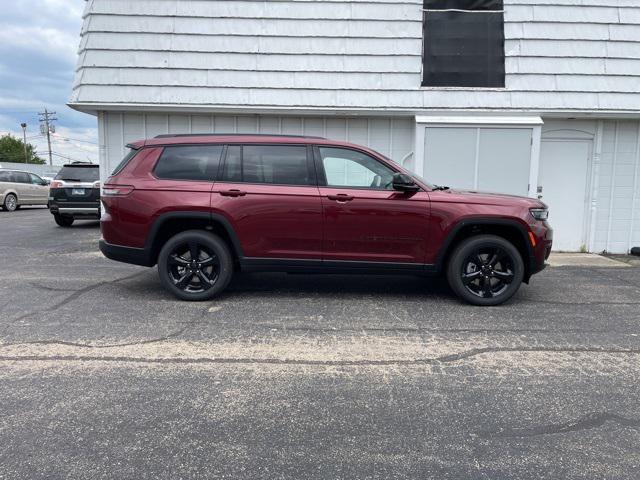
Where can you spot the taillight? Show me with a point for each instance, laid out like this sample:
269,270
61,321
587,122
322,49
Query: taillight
56,184
116,190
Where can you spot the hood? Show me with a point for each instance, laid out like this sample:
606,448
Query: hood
488,198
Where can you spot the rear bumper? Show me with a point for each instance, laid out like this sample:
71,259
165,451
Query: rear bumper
135,256
76,210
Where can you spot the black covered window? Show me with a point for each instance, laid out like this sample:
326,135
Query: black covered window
275,164
463,43
189,162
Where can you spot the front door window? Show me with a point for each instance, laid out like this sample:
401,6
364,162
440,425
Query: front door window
351,169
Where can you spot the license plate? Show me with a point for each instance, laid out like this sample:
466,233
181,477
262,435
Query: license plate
77,191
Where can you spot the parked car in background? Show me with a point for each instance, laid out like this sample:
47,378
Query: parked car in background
75,193
202,207
18,188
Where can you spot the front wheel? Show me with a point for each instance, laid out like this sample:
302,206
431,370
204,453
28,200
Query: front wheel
485,270
195,265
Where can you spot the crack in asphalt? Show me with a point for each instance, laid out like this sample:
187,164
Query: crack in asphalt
277,361
50,289
586,304
70,298
285,328
586,422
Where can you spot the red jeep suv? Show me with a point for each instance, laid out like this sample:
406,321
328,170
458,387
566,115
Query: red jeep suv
202,207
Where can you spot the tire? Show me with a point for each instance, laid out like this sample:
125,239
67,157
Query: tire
10,203
63,220
481,259
197,280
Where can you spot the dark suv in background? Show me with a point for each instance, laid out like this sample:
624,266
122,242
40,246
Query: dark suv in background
204,206
75,193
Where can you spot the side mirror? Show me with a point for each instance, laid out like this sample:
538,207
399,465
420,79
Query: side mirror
45,183
404,183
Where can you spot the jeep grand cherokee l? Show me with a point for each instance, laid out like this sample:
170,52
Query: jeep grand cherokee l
203,207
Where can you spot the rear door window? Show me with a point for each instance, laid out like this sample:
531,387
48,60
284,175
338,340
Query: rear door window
21,177
189,163
271,164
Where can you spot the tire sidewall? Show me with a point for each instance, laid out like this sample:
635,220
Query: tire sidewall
63,221
5,205
209,240
461,252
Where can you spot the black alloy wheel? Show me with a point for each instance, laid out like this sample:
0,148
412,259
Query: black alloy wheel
485,270
195,265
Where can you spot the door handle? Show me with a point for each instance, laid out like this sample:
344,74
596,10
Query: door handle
341,197
233,193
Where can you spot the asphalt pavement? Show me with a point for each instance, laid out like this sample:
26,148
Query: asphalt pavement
105,375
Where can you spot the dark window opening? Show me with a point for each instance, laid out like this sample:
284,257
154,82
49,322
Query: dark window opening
274,164
189,163
463,43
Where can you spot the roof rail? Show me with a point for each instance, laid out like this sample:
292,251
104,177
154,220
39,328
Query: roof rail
233,135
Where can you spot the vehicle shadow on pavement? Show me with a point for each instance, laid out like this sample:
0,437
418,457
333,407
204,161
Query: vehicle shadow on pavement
282,283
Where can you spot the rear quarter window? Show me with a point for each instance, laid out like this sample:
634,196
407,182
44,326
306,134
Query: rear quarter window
189,163
123,163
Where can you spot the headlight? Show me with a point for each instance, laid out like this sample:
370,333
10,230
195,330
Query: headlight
539,213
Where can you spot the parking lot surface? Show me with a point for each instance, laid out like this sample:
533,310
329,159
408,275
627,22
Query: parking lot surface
105,375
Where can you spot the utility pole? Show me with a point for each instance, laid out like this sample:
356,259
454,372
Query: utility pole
47,128
24,141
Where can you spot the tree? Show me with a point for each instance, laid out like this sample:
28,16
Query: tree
12,150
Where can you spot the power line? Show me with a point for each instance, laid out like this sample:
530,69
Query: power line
75,140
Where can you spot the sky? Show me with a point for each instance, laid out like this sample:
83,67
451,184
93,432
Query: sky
38,53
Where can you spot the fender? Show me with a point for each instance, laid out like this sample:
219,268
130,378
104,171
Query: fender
208,217
471,221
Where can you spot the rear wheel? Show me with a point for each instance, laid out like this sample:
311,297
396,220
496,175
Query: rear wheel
485,270
10,202
195,265
63,220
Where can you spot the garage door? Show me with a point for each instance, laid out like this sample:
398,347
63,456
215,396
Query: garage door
491,159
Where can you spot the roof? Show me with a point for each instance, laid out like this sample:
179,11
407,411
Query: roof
197,139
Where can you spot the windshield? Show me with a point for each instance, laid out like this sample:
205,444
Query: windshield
79,173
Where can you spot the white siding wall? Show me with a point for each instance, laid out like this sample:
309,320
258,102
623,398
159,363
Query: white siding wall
617,226
613,222
352,55
393,137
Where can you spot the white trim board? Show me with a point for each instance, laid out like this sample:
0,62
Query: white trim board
480,120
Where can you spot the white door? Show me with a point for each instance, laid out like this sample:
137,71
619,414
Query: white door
564,167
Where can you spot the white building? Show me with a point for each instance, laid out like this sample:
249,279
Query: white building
541,98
